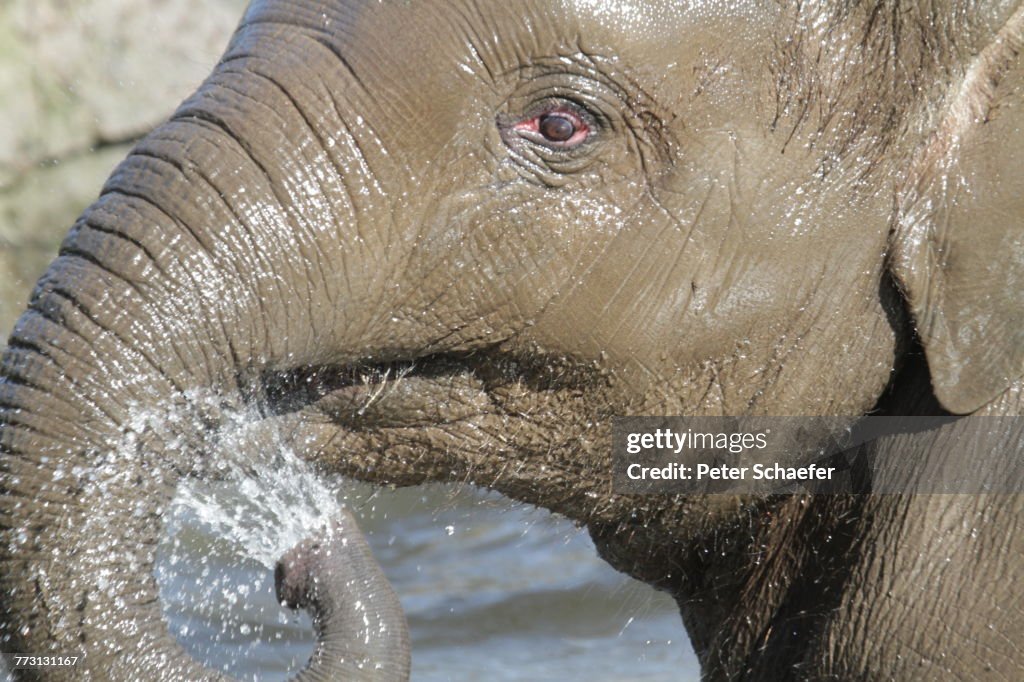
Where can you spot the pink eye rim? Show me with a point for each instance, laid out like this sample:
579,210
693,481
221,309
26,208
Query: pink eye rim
535,130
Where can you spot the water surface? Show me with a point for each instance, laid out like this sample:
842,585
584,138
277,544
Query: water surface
493,590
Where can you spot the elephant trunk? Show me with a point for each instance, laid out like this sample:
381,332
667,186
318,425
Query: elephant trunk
171,297
361,628
91,458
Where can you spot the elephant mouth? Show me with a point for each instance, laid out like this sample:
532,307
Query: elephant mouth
472,416
430,390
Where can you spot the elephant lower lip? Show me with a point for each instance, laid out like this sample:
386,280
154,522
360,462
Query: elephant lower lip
406,402
431,390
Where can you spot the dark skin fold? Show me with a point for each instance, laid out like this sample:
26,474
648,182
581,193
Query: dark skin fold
450,241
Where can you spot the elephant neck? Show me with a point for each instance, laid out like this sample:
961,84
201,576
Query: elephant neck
752,619
882,586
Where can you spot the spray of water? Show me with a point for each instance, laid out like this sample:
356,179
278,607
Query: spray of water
224,533
261,511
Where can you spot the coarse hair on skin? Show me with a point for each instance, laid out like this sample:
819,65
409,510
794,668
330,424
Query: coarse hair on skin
860,76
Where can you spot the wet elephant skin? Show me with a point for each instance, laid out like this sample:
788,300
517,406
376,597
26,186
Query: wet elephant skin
450,240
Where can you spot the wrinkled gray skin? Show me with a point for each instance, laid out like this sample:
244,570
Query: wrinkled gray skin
360,625
356,229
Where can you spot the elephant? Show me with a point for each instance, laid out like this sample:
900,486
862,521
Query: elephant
451,241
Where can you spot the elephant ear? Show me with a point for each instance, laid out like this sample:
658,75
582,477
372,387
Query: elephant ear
958,248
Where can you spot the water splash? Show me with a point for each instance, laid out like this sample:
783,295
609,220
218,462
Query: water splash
261,510
225,530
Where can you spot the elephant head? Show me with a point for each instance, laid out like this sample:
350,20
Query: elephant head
450,240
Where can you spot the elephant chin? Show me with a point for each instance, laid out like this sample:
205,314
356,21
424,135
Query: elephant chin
361,628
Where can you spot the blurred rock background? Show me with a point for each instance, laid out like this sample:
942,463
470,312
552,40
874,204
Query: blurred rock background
80,80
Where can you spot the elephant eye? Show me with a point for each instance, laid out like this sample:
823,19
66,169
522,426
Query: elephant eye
556,127
560,128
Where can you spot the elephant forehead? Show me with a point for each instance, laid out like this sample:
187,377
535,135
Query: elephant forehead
659,19
653,30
